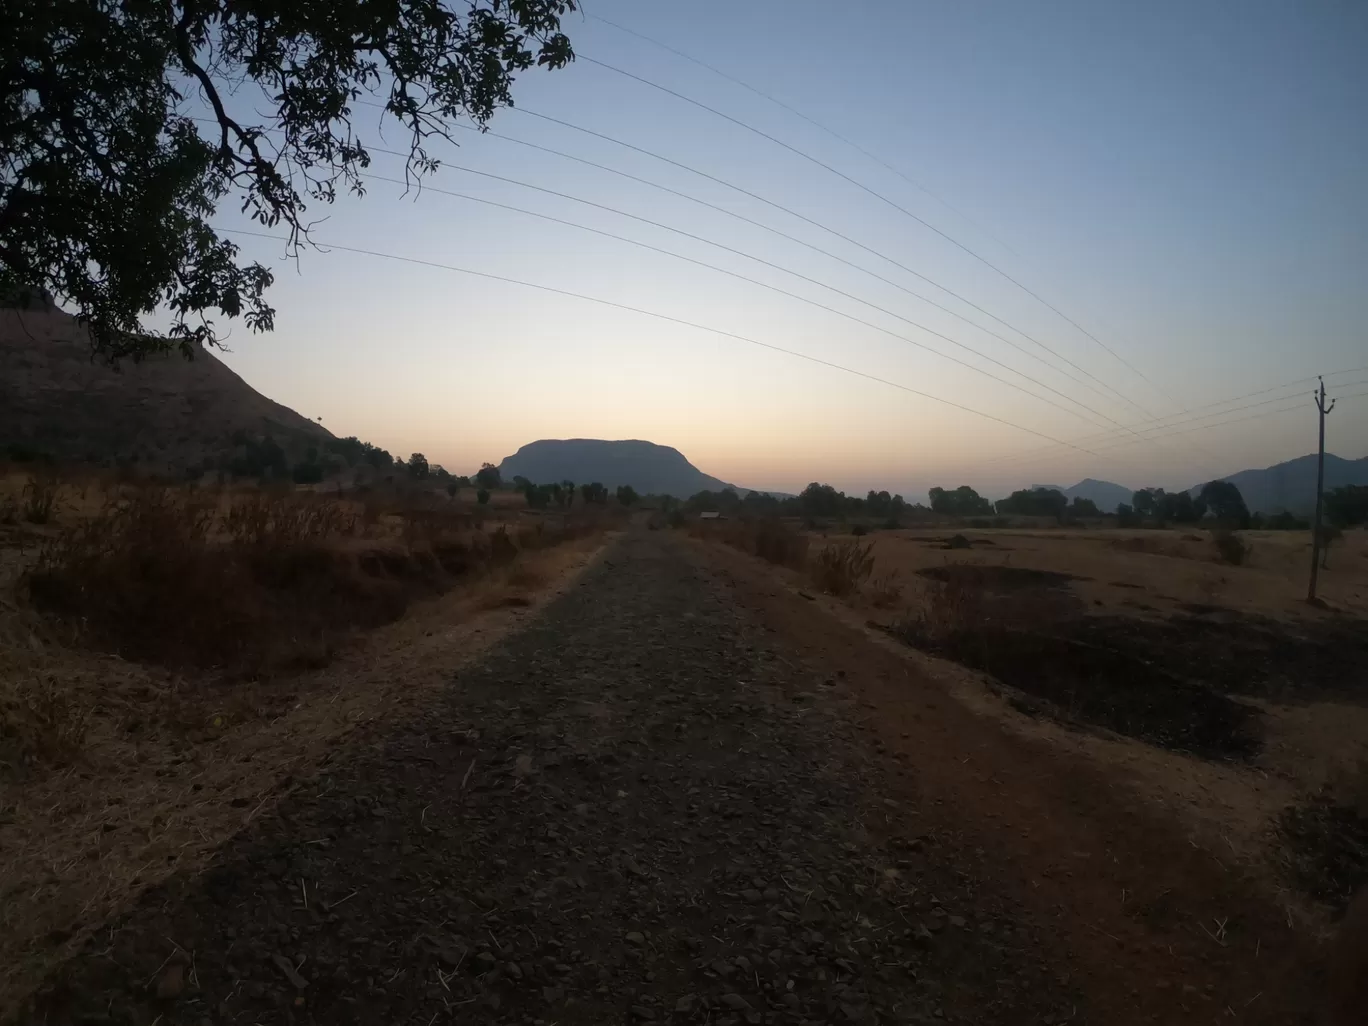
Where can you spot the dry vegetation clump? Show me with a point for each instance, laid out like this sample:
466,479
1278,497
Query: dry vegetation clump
1231,549
38,502
841,567
257,582
885,590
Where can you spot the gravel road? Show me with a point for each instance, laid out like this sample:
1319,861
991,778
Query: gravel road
639,809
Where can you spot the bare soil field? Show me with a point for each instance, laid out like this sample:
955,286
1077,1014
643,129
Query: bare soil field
1239,707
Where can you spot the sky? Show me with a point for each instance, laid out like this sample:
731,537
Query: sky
1138,211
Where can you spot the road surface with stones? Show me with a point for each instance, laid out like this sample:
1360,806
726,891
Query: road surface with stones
638,809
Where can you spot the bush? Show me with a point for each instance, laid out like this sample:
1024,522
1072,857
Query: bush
958,541
859,530
1230,547
482,496
841,567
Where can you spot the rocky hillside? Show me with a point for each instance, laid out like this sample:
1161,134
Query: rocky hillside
165,414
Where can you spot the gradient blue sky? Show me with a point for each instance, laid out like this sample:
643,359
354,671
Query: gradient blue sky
1184,180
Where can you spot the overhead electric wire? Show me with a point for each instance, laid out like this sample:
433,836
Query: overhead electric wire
755,281
838,234
668,318
1298,405
1159,424
892,203
799,114
783,235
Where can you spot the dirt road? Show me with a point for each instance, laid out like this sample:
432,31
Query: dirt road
643,808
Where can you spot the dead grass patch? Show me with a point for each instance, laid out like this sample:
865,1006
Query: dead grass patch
265,583
839,568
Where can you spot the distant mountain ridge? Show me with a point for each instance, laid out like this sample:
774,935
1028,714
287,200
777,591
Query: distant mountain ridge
1291,485
649,468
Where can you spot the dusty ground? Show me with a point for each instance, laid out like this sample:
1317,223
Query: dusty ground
688,791
169,767
1227,699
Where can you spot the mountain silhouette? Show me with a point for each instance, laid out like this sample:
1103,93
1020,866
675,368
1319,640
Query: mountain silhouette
649,468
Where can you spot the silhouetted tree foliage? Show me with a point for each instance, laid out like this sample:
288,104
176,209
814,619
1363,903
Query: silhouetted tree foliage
1080,507
1169,507
1224,501
1034,502
626,495
260,458
594,492
482,496
353,452
418,466
108,186
962,502
1347,506
488,476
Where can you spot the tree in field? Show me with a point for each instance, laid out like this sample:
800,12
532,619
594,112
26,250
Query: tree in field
124,124
626,495
1224,501
962,502
595,492
488,476
418,466
482,496
1081,507
1347,506
1035,502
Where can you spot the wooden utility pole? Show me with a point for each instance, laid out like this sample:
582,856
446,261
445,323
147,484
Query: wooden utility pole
1324,411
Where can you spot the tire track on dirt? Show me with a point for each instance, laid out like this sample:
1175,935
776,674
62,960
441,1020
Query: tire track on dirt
638,809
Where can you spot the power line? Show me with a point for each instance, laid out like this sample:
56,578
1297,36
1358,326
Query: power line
777,232
668,318
892,203
1296,407
834,232
755,281
768,263
1159,424
799,114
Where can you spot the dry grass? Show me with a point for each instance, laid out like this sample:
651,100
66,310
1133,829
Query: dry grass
114,772
262,583
840,568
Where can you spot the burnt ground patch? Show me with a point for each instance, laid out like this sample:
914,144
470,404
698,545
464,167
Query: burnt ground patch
1326,849
1082,683
1178,683
994,578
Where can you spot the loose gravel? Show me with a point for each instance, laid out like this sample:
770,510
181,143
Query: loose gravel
637,810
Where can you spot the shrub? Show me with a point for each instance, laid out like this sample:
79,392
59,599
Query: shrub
859,530
958,541
841,567
1230,547
482,496
677,519
41,722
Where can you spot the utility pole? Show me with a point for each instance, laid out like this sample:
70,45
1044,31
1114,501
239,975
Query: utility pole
1324,411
